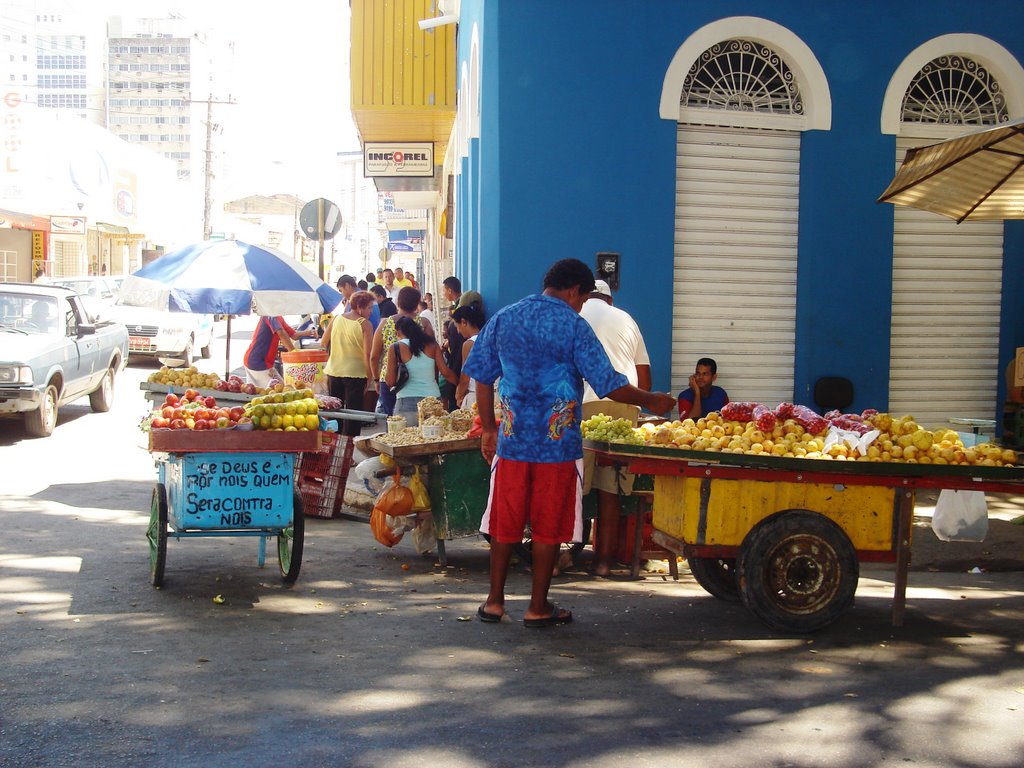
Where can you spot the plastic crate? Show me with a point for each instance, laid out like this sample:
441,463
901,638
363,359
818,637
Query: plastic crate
320,476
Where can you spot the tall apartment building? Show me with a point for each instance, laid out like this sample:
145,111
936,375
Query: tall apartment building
52,57
154,67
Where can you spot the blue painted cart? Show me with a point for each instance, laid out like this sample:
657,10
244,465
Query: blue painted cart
228,484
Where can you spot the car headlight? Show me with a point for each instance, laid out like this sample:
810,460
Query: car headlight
16,374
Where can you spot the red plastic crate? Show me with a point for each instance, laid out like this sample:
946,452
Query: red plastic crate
320,476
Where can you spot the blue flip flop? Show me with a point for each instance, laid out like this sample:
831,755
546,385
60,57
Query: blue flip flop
558,616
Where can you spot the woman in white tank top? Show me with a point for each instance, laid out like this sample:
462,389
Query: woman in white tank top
468,320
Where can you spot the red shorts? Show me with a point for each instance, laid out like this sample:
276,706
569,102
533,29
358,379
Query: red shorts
547,496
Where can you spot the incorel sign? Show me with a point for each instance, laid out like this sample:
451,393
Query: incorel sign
405,159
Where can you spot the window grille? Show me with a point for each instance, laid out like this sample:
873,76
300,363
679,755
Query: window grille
742,75
954,90
8,266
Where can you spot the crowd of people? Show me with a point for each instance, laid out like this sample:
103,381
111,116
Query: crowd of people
547,362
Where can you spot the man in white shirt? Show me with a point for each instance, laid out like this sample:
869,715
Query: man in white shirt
622,341
390,285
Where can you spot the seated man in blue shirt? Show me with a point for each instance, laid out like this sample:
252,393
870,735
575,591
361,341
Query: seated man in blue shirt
541,349
703,396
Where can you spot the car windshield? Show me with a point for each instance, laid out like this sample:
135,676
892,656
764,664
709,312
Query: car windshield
82,287
29,313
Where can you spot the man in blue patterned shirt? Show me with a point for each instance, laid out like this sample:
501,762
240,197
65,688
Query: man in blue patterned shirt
541,349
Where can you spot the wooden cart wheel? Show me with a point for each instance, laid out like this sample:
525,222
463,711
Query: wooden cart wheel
289,543
797,571
716,575
157,535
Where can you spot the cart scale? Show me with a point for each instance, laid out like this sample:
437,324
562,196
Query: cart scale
228,483
786,536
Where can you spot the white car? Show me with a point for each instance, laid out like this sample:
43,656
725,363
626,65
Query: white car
174,338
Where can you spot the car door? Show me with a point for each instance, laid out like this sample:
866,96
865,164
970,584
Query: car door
204,334
85,348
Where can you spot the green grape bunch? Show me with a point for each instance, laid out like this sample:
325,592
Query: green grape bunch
605,429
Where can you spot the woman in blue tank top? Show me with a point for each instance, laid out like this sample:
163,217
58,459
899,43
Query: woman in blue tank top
423,358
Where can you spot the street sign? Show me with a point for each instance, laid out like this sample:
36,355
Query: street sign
320,219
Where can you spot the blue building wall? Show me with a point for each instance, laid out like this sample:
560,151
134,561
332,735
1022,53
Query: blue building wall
575,159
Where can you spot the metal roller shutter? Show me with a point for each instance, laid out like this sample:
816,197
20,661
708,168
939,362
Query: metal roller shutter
737,199
947,286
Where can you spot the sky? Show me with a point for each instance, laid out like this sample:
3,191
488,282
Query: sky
289,87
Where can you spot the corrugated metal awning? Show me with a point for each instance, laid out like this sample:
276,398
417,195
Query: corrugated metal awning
976,176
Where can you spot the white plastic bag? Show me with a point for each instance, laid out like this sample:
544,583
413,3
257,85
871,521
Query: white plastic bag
960,516
423,536
366,472
853,440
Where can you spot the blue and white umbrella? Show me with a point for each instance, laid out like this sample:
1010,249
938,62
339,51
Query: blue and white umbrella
228,277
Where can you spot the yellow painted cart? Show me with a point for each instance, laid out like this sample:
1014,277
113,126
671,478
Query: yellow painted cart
786,536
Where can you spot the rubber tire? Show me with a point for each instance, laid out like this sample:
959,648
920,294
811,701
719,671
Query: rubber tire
156,533
717,576
40,422
797,571
101,400
289,543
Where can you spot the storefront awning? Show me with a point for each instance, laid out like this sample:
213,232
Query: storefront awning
13,219
111,229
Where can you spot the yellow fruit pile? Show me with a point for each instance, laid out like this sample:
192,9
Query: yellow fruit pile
900,440
286,411
184,377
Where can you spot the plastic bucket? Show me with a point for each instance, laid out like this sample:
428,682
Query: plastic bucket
305,369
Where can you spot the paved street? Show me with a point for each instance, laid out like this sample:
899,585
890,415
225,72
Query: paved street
364,663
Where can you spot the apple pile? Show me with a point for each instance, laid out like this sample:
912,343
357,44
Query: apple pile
235,384
193,411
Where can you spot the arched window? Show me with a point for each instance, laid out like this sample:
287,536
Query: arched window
954,90
946,278
742,75
741,90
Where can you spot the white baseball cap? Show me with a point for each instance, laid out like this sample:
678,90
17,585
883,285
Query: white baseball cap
601,287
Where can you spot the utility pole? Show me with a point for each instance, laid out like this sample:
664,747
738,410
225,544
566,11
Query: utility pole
208,161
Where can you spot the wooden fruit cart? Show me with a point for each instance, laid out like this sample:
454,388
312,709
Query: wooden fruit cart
786,536
458,483
228,483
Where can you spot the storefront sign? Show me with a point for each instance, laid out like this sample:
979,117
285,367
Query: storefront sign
67,225
415,158
38,247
